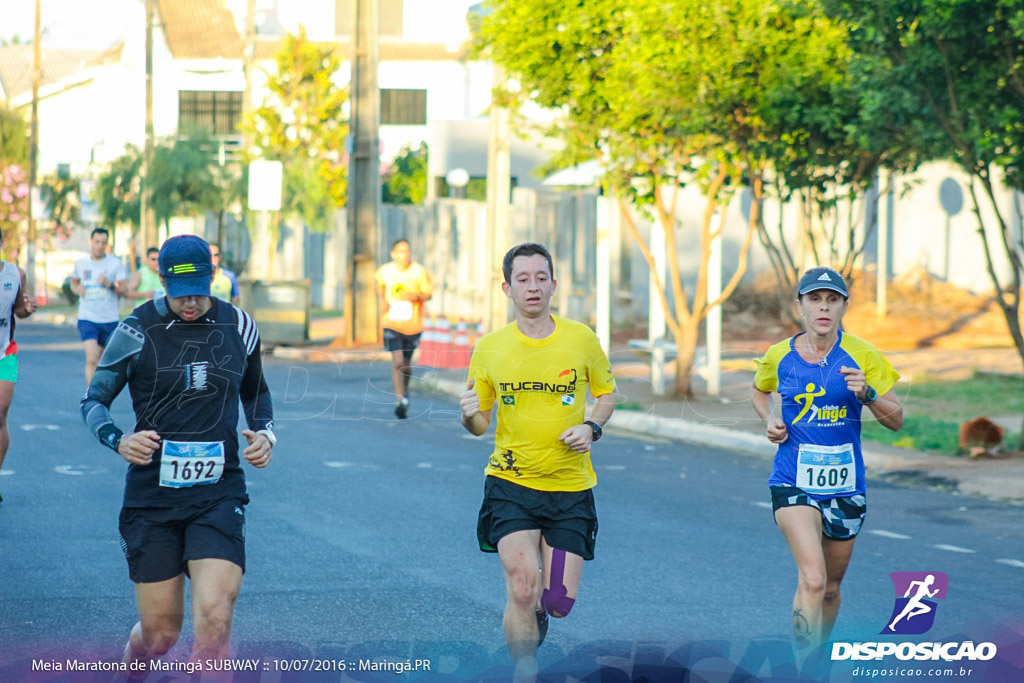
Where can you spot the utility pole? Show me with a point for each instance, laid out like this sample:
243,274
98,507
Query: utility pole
363,177
499,187
248,62
149,232
33,159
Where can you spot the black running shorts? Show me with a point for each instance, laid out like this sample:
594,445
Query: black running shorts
567,519
396,341
159,542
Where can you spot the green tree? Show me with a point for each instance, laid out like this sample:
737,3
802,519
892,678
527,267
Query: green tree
13,137
303,124
406,179
117,191
63,204
963,63
181,179
667,95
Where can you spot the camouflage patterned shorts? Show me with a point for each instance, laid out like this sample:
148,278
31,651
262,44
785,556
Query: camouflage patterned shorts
841,518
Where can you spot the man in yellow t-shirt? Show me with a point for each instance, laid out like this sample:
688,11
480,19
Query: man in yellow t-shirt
402,287
538,507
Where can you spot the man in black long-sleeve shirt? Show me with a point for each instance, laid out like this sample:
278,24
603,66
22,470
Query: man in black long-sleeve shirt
187,359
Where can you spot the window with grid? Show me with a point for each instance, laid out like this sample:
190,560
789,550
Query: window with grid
403,107
216,112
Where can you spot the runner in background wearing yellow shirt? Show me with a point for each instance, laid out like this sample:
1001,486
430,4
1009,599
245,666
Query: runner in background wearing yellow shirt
402,287
538,509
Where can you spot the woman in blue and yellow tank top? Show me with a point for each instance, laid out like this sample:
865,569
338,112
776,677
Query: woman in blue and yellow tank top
825,378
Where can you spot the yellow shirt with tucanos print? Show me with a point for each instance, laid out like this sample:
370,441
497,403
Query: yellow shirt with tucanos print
540,386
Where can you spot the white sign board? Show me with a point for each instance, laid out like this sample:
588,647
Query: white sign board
265,185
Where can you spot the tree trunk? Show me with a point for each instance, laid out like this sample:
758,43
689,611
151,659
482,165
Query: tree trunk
686,346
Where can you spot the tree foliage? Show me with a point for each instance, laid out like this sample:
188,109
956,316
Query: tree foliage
14,193
60,195
406,179
118,190
13,137
963,65
723,95
304,125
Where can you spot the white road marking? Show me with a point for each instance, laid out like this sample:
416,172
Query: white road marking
888,534
350,465
611,467
762,504
425,465
1012,563
67,469
52,428
6,473
953,548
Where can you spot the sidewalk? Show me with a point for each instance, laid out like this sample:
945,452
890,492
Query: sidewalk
729,421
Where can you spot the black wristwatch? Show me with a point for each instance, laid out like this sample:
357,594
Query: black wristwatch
596,428
870,398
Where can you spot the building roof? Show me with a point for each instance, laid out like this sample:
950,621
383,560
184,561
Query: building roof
199,29
16,65
390,50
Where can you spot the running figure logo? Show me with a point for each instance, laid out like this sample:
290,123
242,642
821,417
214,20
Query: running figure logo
807,400
914,613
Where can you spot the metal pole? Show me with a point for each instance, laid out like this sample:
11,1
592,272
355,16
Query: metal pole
656,314
33,162
714,317
364,176
882,274
147,217
605,210
499,187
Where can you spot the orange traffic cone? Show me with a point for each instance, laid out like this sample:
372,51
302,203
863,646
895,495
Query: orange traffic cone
428,346
461,351
443,343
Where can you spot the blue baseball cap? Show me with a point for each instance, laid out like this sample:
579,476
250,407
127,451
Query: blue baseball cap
186,266
822,277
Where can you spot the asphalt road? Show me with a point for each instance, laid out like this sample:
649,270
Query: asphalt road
361,543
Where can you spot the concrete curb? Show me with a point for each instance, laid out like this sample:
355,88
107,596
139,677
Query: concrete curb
325,353
996,480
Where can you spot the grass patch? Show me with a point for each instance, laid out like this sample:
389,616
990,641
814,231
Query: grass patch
957,401
919,432
933,411
318,313
630,405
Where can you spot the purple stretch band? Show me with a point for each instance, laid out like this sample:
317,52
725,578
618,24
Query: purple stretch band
555,600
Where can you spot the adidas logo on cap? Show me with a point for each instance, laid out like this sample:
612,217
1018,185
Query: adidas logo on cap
824,276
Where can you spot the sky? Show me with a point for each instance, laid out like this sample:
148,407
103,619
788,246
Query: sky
86,24
97,24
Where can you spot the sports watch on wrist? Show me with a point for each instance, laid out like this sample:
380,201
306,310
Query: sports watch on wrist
869,398
596,428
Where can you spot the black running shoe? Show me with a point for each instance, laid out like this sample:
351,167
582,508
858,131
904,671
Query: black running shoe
542,626
402,408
